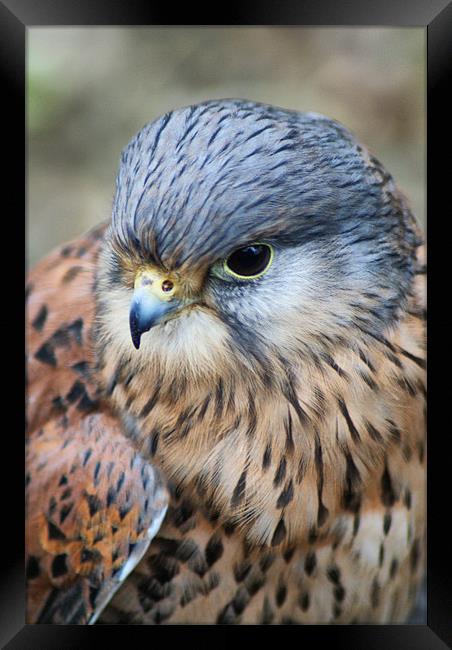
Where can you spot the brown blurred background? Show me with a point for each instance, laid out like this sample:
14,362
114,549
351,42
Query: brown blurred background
91,89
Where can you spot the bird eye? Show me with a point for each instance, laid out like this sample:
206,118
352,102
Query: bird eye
249,262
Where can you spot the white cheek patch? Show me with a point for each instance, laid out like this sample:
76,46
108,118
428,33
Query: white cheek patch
193,342
197,338
299,289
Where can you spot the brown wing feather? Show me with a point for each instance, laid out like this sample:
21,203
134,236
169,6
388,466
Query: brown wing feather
92,503
59,316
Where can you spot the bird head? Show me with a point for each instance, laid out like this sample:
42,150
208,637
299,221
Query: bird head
248,236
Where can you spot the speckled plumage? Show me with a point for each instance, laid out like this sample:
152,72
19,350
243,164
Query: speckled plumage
286,414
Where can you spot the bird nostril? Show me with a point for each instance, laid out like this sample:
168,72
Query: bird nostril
167,286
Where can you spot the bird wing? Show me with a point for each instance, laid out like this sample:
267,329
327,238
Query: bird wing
93,506
59,317
93,503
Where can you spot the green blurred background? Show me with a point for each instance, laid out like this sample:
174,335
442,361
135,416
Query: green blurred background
89,90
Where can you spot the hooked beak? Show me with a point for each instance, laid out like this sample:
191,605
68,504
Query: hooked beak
153,298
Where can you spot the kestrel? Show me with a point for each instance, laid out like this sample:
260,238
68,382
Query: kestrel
226,385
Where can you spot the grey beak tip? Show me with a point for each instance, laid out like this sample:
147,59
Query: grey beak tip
135,330
145,312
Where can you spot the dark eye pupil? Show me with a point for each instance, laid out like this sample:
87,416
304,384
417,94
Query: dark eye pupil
250,260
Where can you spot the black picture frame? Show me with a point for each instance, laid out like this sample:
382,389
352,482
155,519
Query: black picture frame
16,16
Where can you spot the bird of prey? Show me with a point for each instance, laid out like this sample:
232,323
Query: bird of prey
226,385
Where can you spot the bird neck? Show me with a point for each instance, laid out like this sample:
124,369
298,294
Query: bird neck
282,462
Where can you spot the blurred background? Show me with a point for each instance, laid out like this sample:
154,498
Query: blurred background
90,89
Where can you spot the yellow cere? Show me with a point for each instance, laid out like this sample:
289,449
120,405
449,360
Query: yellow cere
159,284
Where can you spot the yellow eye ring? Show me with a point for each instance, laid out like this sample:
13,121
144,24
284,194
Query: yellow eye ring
253,260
